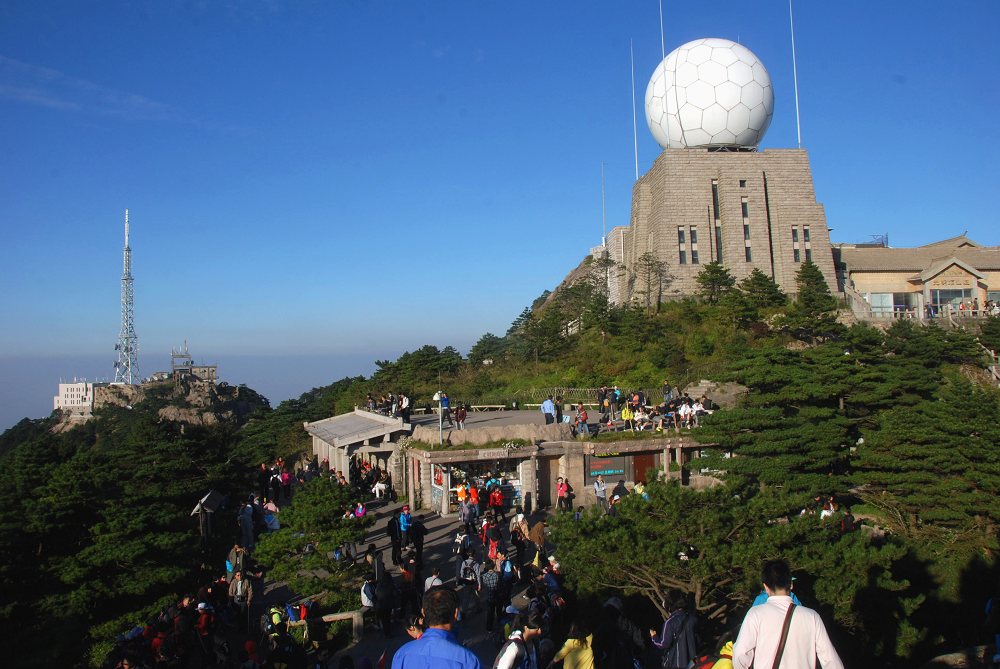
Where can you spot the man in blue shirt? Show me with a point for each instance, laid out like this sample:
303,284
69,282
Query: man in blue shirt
549,411
446,410
437,648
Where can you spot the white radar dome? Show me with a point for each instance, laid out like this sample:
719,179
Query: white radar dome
709,93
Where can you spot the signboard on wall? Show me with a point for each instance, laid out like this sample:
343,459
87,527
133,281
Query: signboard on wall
953,276
605,464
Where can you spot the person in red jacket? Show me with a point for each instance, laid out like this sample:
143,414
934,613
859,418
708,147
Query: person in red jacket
496,503
562,495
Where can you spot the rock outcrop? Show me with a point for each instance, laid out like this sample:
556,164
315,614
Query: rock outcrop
726,395
188,401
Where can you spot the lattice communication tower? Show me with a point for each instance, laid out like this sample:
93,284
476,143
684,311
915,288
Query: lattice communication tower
127,365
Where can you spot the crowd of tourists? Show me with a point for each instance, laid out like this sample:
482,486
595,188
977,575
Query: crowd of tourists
396,405
964,309
505,571
630,410
504,583
199,630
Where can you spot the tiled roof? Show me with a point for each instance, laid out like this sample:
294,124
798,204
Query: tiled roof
953,243
917,259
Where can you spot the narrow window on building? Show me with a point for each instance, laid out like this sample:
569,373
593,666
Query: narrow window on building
693,232
743,183
795,234
694,235
715,199
746,232
694,256
718,243
745,207
680,235
795,253
809,254
805,233
749,255
682,257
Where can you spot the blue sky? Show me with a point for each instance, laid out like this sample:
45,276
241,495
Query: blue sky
326,183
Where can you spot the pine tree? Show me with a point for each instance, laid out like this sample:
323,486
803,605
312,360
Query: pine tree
790,430
814,297
489,347
650,277
711,544
989,334
762,291
930,474
813,315
714,281
738,309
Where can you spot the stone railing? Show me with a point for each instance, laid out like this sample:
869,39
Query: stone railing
356,617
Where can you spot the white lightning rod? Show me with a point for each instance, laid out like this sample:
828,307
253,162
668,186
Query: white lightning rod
635,132
795,76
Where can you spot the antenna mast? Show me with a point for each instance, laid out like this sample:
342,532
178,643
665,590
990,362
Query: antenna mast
604,211
635,133
127,365
795,76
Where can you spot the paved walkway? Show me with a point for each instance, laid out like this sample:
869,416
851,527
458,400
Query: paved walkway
486,419
437,553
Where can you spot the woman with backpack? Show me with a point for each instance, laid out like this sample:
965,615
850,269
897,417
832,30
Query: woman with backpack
676,639
521,650
468,580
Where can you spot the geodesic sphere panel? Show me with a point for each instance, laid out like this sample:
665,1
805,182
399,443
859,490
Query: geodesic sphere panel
710,92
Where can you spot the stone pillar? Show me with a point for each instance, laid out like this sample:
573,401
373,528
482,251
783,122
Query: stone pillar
571,468
680,462
446,493
425,485
347,462
529,482
666,461
411,480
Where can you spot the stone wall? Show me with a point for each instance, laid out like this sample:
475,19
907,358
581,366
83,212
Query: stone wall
677,192
479,436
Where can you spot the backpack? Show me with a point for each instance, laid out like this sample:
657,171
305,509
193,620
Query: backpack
493,549
521,659
506,570
468,571
682,647
704,662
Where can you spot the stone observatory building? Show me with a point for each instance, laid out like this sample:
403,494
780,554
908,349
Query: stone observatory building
711,195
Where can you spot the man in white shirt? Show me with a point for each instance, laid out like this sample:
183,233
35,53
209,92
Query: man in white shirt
434,580
685,412
549,411
807,641
368,593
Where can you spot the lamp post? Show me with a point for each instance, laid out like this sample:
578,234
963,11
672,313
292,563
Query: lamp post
437,398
